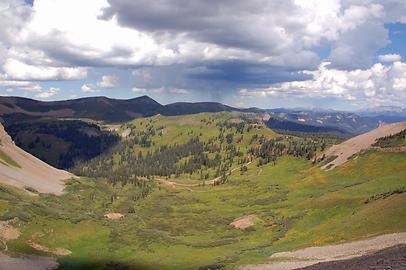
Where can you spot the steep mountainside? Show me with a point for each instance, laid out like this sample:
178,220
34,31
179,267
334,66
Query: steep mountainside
19,168
342,152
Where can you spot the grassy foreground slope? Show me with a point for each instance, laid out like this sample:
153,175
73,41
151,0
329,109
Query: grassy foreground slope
295,204
179,228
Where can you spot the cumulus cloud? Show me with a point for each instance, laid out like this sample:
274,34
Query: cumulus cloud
23,85
20,60
160,90
379,84
13,16
18,70
48,93
389,57
108,82
171,90
279,32
87,88
138,90
28,86
178,91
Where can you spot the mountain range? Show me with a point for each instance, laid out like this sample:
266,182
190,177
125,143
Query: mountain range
111,110
104,108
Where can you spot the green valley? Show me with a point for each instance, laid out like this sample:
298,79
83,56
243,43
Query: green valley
174,218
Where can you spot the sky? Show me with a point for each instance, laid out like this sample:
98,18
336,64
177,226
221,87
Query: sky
336,54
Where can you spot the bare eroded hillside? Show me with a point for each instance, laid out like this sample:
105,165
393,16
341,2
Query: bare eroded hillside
21,169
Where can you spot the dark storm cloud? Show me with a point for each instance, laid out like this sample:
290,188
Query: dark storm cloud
240,72
285,31
254,24
64,53
215,78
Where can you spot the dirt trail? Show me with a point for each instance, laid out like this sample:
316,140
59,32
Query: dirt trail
207,182
56,251
32,172
361,142
312,255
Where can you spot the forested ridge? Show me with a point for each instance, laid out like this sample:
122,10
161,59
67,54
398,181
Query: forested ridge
208,146
61,143
394,140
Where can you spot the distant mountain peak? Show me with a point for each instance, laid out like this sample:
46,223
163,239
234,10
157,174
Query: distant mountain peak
105,108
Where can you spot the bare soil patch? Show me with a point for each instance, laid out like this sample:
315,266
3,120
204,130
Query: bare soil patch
114,216
8,233
126,132
244,222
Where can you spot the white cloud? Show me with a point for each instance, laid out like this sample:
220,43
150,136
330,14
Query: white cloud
23,85
18,70
178,91
87,88
108,82
161,90
374,86
105,82
48,93
286,33
142,74
389,57
13,17
138,90
28,86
